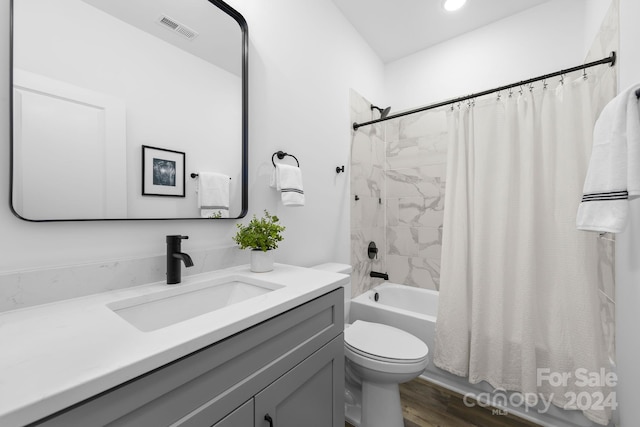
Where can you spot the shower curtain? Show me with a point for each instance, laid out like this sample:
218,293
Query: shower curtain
520,305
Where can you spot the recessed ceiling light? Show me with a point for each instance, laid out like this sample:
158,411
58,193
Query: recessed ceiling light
453,5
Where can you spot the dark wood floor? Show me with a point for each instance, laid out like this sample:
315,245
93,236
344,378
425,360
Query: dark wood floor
425,404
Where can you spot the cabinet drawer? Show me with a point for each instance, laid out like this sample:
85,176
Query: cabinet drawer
243,416
199,389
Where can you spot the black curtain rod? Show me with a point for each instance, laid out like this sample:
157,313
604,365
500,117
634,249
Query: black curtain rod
611,59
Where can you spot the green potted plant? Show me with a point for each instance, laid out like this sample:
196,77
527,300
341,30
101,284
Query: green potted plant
262,237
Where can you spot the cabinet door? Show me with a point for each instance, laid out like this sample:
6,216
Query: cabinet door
241,417
311,394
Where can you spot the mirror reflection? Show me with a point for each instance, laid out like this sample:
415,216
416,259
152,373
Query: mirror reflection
127,109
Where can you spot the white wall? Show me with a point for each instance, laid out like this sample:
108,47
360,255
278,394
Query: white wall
304,57
535,42
628,245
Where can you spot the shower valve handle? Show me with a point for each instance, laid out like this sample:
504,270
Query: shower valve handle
372,251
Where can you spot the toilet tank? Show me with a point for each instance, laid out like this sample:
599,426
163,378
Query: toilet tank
336,267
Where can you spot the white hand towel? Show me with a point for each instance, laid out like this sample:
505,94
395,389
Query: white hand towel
288,180
213,194
614,168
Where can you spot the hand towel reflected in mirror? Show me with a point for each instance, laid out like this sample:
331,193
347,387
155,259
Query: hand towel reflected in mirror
213,194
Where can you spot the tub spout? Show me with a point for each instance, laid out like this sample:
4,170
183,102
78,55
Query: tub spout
384,276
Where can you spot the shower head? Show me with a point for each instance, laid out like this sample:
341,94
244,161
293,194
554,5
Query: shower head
383,112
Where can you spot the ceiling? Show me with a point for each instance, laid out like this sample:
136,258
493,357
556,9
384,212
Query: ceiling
397,28
219,39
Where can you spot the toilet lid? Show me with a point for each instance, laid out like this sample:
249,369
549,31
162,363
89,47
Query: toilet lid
384,342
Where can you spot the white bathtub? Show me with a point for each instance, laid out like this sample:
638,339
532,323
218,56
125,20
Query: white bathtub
415,310
404,307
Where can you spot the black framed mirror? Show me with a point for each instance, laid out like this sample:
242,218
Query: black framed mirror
128,109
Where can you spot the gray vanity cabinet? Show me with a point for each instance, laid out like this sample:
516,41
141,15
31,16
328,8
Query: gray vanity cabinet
290,367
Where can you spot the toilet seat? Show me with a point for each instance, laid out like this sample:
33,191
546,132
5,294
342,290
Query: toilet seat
381,359
384,343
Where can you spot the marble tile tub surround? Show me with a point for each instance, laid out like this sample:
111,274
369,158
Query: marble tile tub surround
19,289
415,172
368,221
398,171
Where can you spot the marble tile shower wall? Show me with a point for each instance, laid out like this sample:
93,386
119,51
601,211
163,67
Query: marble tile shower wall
416,158
367,186
398,171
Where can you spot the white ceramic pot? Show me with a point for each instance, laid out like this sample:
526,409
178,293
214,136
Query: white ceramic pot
261,261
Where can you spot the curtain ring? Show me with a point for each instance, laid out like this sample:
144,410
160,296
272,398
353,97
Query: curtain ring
520,90
510,92
499,95
531,87
544,84
562,79
584,74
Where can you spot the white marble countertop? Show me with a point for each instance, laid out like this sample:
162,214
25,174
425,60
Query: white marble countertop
55,355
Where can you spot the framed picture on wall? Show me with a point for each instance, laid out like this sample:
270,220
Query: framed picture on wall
163,172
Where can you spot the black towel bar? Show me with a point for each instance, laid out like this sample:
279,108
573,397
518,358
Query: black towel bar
281,155
195,175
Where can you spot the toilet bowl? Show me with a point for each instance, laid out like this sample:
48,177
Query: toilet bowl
377,359
382,357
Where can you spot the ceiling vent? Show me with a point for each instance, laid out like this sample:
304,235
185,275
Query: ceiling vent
177,27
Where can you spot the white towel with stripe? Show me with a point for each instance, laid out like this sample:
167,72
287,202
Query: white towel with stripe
613,175
288,180
213,194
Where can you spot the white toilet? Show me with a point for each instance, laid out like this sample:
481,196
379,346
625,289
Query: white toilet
378,358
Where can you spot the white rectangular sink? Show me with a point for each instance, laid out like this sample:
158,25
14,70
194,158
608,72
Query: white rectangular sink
182,302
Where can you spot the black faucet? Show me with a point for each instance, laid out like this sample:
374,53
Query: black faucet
174,256
384,276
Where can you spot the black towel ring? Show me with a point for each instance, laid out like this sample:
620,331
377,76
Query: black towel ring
281,155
